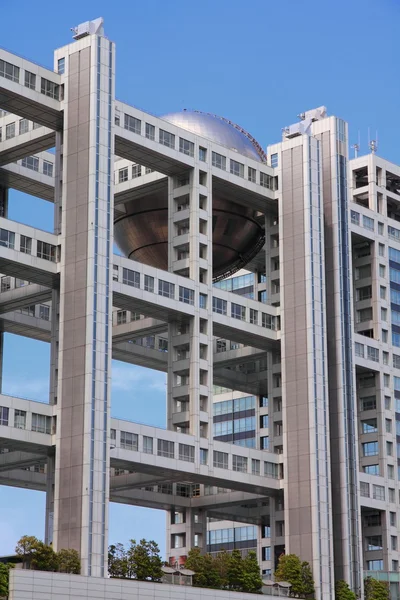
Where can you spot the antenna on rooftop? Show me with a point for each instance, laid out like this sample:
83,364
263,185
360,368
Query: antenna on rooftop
373,144
356,147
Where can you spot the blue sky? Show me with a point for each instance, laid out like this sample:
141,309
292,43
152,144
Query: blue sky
259,63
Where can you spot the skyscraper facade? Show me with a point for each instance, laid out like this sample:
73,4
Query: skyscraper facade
265,283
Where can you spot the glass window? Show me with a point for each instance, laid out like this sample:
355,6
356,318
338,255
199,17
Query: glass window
30,80
267,321
253,316
46,251
374,542
61,66
147,444
186,147
203,456
9,71
219,161
7,239
370,449
392,519
50,89
202,300
378,492
202,154
268,181
186,295
368,223
239,463
373,354
4,413
5,283
371,469
115,272
150,132
133,124
129,441
238,311
271,470
390,471
123,175
44,312
131,278
236,168
31,162
10,131
364,293
364,489
19,419
375,565
47,168
382,292
23,126
166,289
359,348
165,448
363,272
369,426
121,317
264,442
219,306
166,139
221,459
41,423
274,160
264,421
149,283
186,453
136,171
252,175
355,217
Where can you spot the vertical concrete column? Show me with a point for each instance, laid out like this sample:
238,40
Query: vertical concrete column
332,133
84,360
3,202
190,356
54,342
308,529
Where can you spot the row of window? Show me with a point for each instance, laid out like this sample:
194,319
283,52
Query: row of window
33,163
40,423
12,72
367,222
238,311
372,353
232,406
44,250
234,534
187,147
234,426
11,129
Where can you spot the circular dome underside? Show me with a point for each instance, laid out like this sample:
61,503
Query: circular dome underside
214,129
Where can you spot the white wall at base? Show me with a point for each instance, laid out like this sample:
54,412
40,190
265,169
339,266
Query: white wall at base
40,585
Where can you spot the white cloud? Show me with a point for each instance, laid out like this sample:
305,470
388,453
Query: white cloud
33,389
127,378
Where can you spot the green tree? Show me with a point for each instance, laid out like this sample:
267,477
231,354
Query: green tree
220,567
36,554
343,592
307,579
68,561
251,578
118,561
235,571
375,590
298,574
4,579
201,565
145,561
26,548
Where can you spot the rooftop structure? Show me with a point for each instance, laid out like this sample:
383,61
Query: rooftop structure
282,380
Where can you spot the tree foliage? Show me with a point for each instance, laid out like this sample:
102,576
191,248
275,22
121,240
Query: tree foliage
297,573
225,571
37,555
4,579
68,561
375,590
140,561
343,592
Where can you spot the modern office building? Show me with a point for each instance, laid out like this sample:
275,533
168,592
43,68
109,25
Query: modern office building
283,380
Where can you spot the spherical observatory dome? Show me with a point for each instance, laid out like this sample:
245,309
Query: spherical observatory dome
215,129
142,232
